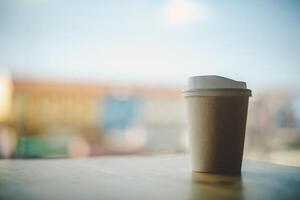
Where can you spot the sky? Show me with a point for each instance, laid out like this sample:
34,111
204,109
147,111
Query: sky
157,41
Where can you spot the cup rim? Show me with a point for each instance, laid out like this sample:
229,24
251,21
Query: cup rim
218,92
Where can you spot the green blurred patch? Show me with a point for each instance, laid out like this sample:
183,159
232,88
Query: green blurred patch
42,146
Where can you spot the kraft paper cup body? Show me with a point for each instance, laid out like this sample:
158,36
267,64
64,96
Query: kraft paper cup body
217,122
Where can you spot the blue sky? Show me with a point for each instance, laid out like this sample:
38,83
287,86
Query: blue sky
151,41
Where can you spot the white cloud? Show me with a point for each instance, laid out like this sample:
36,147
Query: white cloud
183,12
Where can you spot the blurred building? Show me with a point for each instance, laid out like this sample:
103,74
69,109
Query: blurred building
272,126
7,134
62,119
48,115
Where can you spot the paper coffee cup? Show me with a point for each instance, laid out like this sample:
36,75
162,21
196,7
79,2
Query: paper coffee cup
217,114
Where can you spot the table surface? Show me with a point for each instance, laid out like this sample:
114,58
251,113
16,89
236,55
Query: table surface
141,177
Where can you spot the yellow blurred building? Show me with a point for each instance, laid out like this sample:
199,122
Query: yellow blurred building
6,90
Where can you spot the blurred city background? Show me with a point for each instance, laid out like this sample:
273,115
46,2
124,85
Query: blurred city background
94,78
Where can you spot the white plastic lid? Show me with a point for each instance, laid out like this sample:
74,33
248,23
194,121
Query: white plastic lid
213,85
214,82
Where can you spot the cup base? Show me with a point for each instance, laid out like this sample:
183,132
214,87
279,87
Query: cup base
215,179
236,173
